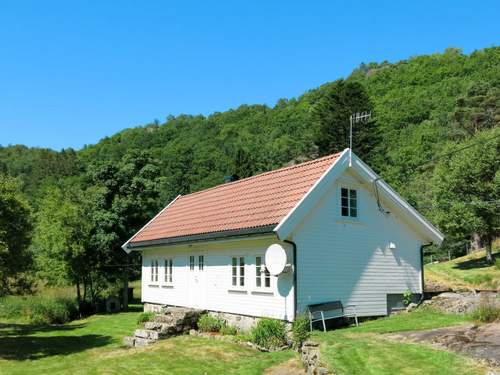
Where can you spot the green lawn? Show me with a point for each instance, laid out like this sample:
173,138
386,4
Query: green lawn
470,271
93,346
366,350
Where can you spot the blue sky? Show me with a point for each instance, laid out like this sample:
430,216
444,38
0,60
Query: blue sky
72,72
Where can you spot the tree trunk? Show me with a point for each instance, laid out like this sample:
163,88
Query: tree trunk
125,285
489,255
78,297
476,241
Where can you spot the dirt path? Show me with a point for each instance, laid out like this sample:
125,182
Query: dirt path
290,367
480,342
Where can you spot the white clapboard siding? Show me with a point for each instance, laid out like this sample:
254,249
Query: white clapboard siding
350,261
219,294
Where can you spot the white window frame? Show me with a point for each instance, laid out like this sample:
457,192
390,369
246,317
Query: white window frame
168,269
262,273
153,272
238,275
340,205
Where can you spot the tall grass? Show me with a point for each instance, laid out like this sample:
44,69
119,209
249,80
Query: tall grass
39,309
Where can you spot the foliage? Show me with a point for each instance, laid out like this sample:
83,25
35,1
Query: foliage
300,330
331,113
487,312
228,330
269,333
467,189
145,317
15,236
497,264
407,297
38,309
209,323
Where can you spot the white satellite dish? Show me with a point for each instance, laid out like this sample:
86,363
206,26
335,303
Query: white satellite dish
276,259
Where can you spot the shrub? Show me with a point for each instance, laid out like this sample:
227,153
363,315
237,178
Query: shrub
300,331
486,312
209,323
228,330
145,317
497,263
269,333
38,309
407,297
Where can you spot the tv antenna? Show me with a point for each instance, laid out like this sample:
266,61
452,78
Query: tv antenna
356,118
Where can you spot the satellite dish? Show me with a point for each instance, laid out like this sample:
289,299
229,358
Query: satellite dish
276,259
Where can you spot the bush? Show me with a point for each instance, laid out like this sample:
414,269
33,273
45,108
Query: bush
209,323
407,297
145,317
486,312
497,263
38,309
300,331
269,333
228,330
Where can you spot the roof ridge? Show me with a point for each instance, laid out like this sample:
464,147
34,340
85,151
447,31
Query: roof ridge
262,174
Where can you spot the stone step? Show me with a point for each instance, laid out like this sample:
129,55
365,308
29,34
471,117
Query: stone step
138,342
147,334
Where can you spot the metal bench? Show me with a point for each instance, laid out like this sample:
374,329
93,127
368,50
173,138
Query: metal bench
348,311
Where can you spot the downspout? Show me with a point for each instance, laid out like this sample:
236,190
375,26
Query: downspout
422,247
294,245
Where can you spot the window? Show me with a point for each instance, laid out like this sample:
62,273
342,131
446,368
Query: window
262,275
349,202
168,270
238,271
201,262
154,271
191,263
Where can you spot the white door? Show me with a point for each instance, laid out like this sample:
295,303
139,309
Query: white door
197,280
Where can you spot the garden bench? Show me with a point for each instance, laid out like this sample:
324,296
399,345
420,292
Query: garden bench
348,311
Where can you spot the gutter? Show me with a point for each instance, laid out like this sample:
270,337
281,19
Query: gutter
422,279
213,236
294,277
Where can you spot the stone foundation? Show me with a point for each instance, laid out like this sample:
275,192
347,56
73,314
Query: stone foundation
242,322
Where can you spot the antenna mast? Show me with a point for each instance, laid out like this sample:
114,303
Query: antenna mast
355,118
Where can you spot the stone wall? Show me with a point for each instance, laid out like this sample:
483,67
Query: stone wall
241,322
154,307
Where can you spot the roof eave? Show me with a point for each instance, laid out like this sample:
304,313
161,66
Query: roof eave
202,237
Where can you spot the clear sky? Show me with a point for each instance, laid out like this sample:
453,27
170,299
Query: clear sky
72,72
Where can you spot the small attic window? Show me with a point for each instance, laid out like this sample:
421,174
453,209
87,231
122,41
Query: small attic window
348,202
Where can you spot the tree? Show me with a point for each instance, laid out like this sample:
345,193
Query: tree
124,196
477,110
467,190
331,116
15,235
61,241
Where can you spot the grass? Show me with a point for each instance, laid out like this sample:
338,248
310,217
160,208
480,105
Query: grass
366,350
94,346
467,272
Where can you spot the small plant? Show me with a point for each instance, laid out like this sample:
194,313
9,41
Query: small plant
209,323
300,331
228,330
407,297
269,333
145,317
486,312
497,263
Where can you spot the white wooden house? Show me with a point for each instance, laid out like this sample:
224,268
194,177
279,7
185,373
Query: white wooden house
347,234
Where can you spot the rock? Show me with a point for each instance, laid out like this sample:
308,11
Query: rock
412,306
140,342
129,341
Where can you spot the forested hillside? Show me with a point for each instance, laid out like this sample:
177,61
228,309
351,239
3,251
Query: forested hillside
434,136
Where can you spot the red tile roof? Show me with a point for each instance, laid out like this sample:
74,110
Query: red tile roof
253,202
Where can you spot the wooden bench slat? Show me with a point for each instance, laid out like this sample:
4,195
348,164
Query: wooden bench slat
326,306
